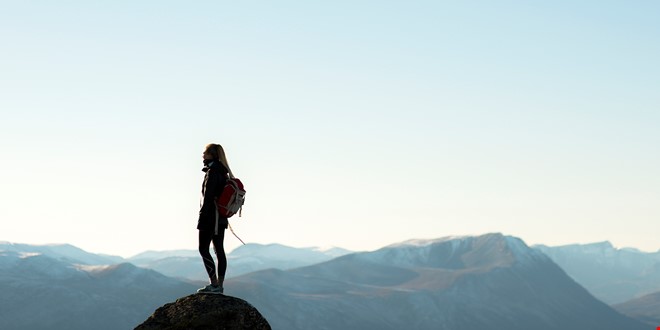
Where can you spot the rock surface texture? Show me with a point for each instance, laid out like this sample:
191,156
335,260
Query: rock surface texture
205,311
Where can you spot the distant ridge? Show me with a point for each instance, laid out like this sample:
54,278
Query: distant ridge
65,252
242,260
611,274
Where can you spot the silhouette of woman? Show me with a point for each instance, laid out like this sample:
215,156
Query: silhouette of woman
210,224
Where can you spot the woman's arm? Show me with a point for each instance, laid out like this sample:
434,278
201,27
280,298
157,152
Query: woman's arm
211,183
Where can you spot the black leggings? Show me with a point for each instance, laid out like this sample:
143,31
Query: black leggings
205,238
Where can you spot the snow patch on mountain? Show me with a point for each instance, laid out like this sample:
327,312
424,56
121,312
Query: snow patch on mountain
91,268
427,242
331,251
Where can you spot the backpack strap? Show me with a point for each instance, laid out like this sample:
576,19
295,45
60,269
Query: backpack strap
232,231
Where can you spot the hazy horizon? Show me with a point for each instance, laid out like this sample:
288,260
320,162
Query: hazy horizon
355,124
325,247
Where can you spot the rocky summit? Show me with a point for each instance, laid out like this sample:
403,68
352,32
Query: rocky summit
205,311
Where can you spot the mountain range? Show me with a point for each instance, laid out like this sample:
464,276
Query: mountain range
186,264
64,252
486,282
489,281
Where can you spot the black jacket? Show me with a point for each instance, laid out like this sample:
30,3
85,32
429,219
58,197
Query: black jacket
214,181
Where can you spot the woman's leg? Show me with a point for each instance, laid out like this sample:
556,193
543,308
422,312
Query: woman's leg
218,246
205,238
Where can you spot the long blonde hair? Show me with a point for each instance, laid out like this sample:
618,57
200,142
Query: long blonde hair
218,153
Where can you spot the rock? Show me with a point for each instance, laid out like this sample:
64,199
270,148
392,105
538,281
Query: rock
206,311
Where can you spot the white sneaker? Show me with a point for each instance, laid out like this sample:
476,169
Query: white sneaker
211,289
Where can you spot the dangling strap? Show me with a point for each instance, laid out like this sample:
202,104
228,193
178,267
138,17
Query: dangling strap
232,231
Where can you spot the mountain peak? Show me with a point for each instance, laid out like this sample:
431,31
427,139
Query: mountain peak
199,311
455,252
493,237
425,242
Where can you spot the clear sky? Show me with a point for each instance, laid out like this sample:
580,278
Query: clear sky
352,123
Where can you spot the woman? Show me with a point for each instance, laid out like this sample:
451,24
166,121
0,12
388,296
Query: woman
210,224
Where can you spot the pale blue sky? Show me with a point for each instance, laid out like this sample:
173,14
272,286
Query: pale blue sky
352,123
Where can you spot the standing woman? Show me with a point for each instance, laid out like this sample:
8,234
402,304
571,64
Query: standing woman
210,224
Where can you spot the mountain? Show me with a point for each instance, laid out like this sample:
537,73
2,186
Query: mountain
242,260
485,282
252,257
42,292
151,256
610,274
645,308
64,252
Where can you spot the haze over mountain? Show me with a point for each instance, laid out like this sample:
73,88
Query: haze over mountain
41,292
610,274
242,260
486,282
491,281
65,252
186,264
645,308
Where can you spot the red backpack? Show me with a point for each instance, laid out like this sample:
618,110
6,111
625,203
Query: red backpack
231,199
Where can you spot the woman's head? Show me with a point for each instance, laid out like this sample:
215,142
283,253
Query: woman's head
211,151
216,152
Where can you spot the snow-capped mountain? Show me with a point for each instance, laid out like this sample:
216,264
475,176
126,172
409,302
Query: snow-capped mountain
613,275
485,282
451,252
41,292
64,252
331,251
